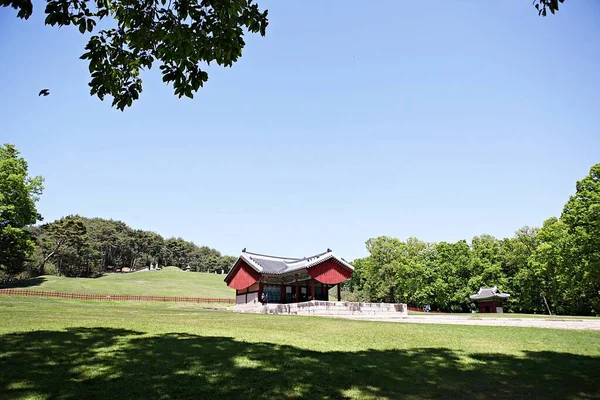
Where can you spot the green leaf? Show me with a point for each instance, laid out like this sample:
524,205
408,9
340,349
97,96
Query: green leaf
182,37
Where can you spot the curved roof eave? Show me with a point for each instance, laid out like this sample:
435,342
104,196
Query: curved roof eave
291,264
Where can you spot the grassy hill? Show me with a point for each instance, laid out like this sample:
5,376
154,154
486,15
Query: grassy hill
170,281
68,349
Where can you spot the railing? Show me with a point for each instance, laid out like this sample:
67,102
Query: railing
415,309
37,293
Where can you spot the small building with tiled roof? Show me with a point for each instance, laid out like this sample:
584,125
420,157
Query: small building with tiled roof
287,279
489,300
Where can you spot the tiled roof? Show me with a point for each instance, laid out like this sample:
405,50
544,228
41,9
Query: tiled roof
274,265
489,293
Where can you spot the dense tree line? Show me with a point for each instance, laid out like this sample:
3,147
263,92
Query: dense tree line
79,246
18,194
552,269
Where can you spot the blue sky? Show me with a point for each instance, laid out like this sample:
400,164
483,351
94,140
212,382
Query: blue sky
440,120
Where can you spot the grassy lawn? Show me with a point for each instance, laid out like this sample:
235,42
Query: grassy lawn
67,349
170,281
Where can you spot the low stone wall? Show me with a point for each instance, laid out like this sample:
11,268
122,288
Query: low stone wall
328,308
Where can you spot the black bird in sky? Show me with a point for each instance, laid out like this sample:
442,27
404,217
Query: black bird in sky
44,92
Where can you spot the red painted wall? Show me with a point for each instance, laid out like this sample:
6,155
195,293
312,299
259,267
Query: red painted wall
249,289
490,304
330,272
242,276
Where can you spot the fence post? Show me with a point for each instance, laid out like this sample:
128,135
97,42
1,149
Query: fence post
88,296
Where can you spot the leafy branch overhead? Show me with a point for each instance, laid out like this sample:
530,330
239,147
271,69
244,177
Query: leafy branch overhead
543,6
181,35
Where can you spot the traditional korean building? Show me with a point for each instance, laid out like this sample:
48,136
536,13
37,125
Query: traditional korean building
489,300
286,279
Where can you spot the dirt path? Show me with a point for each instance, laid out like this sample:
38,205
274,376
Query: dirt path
578,324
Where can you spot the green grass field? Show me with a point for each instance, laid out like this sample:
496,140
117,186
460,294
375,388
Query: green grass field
170,281
68,349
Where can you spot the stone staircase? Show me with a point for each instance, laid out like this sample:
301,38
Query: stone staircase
329,309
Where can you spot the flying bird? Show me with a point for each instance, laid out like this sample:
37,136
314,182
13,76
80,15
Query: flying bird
44,92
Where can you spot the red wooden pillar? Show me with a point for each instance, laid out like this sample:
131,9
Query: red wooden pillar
283,294
297,292
260,290
339,292
312,289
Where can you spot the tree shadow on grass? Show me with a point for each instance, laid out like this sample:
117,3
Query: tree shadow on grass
102,363
23,283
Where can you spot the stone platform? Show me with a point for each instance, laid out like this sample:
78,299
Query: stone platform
342,309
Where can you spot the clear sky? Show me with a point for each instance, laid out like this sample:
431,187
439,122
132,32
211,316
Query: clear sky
349,120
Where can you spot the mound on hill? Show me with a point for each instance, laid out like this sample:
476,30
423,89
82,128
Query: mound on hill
170,281
175,269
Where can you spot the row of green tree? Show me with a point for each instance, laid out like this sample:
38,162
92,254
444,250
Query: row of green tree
79,246
552,269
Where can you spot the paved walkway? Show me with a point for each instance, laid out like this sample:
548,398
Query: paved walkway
549,322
